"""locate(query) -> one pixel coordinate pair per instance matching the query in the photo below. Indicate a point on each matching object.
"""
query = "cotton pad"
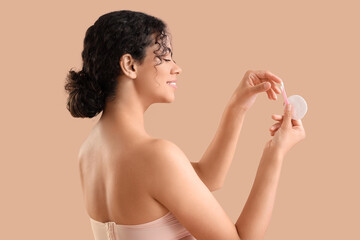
(298, 103)
(299, 106)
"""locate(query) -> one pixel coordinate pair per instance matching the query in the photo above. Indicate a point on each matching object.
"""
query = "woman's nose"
(177, 69)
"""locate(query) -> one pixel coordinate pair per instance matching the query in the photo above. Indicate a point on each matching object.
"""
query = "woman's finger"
(272, 133)
(275, 88)
(254, 79)
(267, 92)
(277, 117)
(275, 126)
(268, 75)
(272, 94)
(260, 76)
(296, 122)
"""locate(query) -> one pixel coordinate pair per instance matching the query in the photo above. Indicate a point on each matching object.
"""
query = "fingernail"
(288, 107)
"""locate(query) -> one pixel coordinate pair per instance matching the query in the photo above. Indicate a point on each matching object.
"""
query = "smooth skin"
(129, 177)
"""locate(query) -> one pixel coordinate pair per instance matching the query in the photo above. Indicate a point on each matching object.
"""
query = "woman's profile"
(139, 187)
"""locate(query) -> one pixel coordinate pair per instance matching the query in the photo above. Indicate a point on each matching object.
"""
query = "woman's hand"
(255, 82)
(287, 132)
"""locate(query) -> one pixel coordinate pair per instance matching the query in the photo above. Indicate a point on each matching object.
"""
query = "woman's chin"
(169, 100)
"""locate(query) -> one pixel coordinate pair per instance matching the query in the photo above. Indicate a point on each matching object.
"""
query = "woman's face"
(153, 81)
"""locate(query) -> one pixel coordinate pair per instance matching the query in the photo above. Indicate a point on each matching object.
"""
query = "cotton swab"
(284, 93)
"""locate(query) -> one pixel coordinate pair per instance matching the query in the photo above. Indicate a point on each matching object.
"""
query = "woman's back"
(112, 178)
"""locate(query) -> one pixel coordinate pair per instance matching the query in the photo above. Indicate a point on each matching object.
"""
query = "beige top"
(166, 227)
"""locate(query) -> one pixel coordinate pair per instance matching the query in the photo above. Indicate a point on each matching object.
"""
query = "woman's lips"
(172, 84)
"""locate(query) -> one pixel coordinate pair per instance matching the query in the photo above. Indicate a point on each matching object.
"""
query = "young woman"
(139, 187)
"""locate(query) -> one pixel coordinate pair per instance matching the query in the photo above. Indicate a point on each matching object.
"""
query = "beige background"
(312, 45)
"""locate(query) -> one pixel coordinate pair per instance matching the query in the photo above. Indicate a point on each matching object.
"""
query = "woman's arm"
(255, 217)
(215, 162)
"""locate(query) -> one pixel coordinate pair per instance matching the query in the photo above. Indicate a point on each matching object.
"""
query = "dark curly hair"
(112, 35)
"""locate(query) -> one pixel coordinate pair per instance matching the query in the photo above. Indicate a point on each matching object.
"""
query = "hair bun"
(86, 99)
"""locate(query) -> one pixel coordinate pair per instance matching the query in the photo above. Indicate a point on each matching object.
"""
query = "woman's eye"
(168, 60)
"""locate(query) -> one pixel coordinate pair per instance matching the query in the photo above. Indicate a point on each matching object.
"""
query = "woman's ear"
(128, 66)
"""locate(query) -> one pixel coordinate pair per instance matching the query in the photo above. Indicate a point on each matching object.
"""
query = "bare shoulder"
(159, 150)
(158, 144)
(165, 163)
